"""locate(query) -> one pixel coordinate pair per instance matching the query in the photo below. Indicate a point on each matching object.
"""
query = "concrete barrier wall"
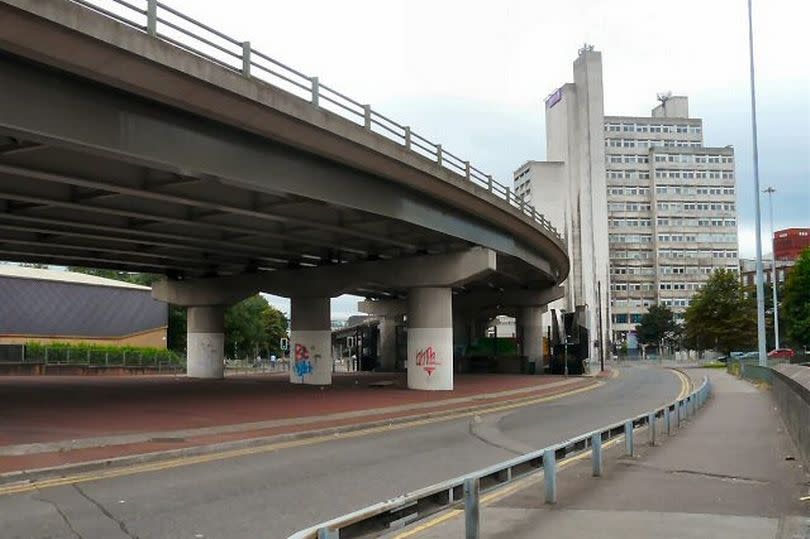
(791, 389)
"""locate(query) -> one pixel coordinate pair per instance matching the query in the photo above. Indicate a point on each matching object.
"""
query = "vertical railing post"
(489, 182)
(408, 137)
(668, 420)
(439, 154)
(367, 116)
(596, 454)
(508, 194)
(628, 438)
(246, 59)
(151, 17)
(467, 169)
(550, 475)
(651, 419)
(471, 514)
(316, 90)
(328, 533)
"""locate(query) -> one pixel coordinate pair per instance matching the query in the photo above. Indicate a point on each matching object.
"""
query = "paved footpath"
(50, 422)
(732, 471)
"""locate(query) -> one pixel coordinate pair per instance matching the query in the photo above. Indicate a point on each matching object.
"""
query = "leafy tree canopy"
(658, 323)
(796, 301)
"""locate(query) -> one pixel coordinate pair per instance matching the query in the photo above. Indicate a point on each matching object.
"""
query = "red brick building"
(788, 243)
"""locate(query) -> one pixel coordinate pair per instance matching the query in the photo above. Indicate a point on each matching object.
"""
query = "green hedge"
(99, 354)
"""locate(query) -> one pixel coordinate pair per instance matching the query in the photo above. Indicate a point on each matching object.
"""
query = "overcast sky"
(472, 74)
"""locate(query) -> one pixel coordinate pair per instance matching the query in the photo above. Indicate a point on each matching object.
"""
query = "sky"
(472, 74)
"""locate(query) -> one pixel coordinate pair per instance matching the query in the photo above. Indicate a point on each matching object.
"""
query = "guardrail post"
(652, 420)
(550, 475)
(408, 137)
(668, 420)
(328, 533)
(489, 182)
(151, 17)
(471, 516)
(246, 59)
(316, 90)
(508, 194)
(467, 169)
(439, 154)
(367, 116)
(628, 438)
(596, 454)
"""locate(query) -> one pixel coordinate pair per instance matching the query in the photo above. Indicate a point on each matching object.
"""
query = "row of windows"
(641, 222)
(695, 174)
(692, 158)
(633, 254)
(690, 190)
(631, 303)
(628, 159)
(627, 175)
(697, 253)
(680, 286)
(678, 302)
(629, 238)
(696, 206)
(622, 318)
(652, 128)
(628, 206)
(632, 143)
(721, 238)
(686, 221)
(632, 270)
(631, 287)
(627, 190)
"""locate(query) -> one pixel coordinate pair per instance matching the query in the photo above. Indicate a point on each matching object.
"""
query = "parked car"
(782, 353)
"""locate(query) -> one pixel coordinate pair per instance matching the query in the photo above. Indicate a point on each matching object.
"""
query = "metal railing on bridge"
(166, 23)
(464, 492)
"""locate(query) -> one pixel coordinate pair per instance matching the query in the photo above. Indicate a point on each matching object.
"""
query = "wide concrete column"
(530, 328)
(310, 341)
(430, 338)
(205, 341)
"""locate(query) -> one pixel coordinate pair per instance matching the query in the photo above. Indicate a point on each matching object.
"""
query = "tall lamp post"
(774, 281)
(763, 357)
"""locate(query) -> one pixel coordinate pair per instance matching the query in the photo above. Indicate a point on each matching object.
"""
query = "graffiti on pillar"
(303, 363)
(426, 359)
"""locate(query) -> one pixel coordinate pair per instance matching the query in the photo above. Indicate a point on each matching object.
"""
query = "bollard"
(596, 454)
(471, 516)
(652, 420)
(550, 475)
(628, 438)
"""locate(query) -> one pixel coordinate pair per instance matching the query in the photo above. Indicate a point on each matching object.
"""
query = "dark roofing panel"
(34, 307)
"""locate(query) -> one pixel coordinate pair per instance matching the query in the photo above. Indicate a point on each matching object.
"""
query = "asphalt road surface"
(273, 494)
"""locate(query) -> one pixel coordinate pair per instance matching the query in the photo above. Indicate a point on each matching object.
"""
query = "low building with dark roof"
(45, 305)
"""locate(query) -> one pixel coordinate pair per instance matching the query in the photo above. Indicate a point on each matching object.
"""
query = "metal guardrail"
(391, 514)
(166, 23)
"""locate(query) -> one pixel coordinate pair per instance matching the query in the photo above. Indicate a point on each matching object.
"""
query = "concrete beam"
(445, 270)
(507, 298)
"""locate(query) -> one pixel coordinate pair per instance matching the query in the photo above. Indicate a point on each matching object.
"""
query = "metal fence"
(166, 23)
(465, 491)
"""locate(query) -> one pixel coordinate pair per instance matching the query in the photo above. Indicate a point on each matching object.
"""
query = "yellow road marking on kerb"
(686, 384)
(17, 488)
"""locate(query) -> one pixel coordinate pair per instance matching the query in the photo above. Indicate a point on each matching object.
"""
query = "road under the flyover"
(272, 494)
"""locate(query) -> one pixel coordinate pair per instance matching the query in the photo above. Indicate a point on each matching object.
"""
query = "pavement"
(731, 471)
(53, 422)
(271, 490)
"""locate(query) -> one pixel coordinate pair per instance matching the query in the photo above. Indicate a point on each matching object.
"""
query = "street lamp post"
(774, 281)
(763, 358)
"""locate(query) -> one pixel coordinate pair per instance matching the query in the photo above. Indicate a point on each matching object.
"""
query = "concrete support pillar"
(205, 342)
(430, 339)
(388, 344)
(530, 322)
(310, 341)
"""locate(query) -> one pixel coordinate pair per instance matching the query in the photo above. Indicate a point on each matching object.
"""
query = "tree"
(796, 301)
(720, 316)
(253, 324)
(657, 324)
(276, 326)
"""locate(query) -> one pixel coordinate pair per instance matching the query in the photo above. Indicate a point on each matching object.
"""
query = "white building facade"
(671, 209)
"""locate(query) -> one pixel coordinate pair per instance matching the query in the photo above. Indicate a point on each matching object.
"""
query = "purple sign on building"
(554, 98)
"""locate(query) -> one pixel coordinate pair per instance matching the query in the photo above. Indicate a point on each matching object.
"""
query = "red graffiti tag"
(427, 360)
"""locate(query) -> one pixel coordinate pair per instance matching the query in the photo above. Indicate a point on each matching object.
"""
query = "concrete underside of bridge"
(111, 158)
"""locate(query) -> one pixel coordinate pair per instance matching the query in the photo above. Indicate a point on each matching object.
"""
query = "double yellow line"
(686, 388)
(18, 488)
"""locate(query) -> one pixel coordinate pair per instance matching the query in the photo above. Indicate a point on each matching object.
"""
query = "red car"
(782, 353)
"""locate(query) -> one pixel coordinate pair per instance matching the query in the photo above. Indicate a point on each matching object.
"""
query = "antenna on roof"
(663, 97)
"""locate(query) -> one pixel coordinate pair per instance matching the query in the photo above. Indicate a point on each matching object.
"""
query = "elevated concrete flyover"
(123, 146)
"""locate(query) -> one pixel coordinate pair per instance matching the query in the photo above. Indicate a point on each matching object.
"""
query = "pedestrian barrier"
(465, 491)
